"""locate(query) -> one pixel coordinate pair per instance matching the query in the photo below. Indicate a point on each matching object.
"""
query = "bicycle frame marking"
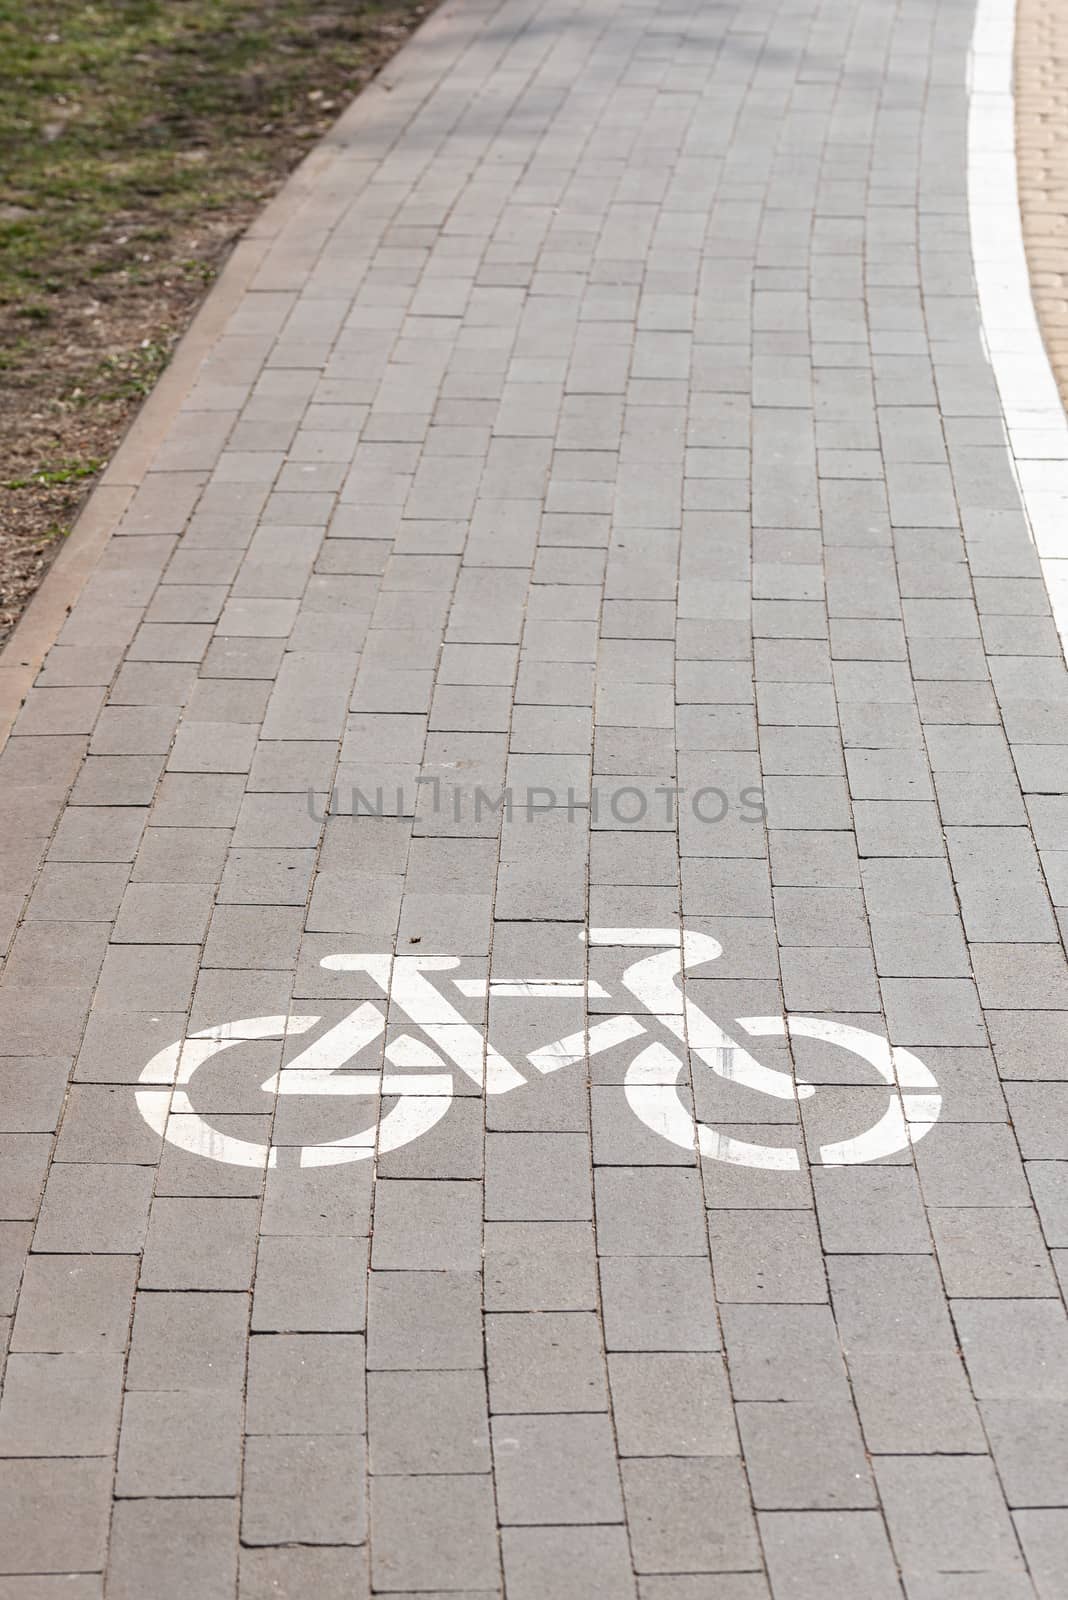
(423, 1098)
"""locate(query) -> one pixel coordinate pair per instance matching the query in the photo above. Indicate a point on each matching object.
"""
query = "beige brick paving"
(1042, 166)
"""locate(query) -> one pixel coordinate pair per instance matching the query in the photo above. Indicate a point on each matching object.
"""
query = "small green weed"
(55, 477)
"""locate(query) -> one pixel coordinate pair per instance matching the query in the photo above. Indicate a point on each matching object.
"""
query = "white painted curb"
(1034, 416)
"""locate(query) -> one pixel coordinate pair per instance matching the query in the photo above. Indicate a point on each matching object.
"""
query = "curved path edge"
(1035, 422)
(22, 657)
(39, 625)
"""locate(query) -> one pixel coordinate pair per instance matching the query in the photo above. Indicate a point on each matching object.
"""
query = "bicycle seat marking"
(419, 1068)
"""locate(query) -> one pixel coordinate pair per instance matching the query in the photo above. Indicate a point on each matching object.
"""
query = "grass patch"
(123, 118)
(139, 137)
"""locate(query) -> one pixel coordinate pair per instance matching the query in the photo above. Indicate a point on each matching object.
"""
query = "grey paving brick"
(452, 1148)
(1027, 1440)
(897, 828)
(919, 887)
(266, 877)
(180, 855)
(766, 1256)
(212, 747)
(888, 775)
(672, 1404)
(94, 1208)
(556, 1470)
(174, 913)
(305, 1384)
(649, 1212)
(157, 977)
(814, 859)
(102, 1123)
(999, 882)
(1042, 1534)
(175, 1546)
(43, 1020)
(61, 1405)
(75, 1303)
(567, 1562)
(972, 1165)
(182, 1173)
(947, 1515)
(285, 1572)
(128, 780)
(187, 1341)
(59, 711)
(870, 1210)
(1014, 1349)
(987, 1251)
(68, 1586)
(310, 1285)
(242, 658)
(539, 1266)
(551, 1362)
(456, 1535)
(689, 1515)
(55, 1515)
(308, 1490)
(921, 947)
(1028, 1044)
(65, 955)
(424, 1321)
(426, 1226)
(862, 1290)
(828, 979)
(1048, 1181)
(807, 1551)
(932, 1011)
(970, 1085)
(456, 922)
(231, 993)
(98, 833)
(72, 893)
(787, 1352)
(427, 1422)
(203, 1445)
(658, 1303)
(820, 917)
(802, 802)
(324, 1203)
(802, 1456)
(32, 1092)
(620, 1139)
(532, 1177)
(14, 1243)
(253, 937)
(1020, 975)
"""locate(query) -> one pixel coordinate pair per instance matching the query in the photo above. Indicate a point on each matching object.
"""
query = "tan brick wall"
(1042, 164)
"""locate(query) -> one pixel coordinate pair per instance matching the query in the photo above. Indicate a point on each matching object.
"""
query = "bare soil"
(138, 138)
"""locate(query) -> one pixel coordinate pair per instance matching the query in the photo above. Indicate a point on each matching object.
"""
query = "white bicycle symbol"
(424, 1096)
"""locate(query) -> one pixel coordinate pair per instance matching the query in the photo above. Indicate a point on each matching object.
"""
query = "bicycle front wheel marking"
(914, 1106)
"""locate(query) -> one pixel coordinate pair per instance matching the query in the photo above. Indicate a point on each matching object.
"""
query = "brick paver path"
(613, 418)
